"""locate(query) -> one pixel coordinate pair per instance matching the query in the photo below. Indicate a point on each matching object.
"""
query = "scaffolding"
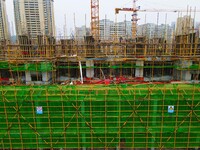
(99, 116)
(47, 47)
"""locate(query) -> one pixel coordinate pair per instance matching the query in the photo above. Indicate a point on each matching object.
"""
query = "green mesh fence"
(96, 116)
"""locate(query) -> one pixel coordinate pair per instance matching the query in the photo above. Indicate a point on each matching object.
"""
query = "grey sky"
(82, 7)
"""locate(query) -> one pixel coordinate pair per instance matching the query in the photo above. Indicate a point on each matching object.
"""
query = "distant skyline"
(81, 8)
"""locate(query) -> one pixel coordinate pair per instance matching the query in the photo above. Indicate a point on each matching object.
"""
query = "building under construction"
(95, 94)
(87, 93)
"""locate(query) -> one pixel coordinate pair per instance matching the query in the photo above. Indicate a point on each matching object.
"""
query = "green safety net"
(114, 66)
(195, 67)
(4, 65)
(39, 67)
(191, 67)
(98, 116)
(47, 66)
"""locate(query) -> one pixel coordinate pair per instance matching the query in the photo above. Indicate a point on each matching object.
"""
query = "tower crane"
(95, 19)
(135, 9)
(134, 16)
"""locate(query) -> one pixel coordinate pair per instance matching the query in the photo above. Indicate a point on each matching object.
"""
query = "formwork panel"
(100, 116)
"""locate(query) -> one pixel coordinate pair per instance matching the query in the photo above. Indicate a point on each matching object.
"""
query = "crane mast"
(134, 20)
(95, 19)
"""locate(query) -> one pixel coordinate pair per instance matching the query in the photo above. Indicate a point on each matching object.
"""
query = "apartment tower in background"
(4, 31)
(34, 17)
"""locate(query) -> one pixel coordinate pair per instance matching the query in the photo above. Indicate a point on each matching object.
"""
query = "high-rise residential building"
(151, 30)
(105, 27)
(34, 17)
(147, 30)
(4, 31)
(173, 25)
(109, 29)
(122, 29)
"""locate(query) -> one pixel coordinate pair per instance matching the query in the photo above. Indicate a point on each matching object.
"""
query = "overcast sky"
(81, 8)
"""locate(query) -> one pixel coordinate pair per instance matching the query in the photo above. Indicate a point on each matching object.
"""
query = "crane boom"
(95, 19)
(153, 10)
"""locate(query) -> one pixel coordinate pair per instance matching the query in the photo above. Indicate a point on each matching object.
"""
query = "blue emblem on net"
(171, 109)
(39, 110)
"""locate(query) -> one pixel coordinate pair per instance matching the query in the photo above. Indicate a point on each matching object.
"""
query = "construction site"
(137, 93)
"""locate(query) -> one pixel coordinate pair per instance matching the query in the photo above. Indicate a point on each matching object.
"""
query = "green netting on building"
(116, 66)
(4, 65)
(192, 67)
(195, 66)
(39, 67)
(97, 116)
(47, 66)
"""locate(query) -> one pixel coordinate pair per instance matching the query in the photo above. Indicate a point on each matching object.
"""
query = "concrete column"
(183, 74)
(46, 77)
(28, 77)
(186, 75)
(90, 71)
(176, 73)
(139, 72)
